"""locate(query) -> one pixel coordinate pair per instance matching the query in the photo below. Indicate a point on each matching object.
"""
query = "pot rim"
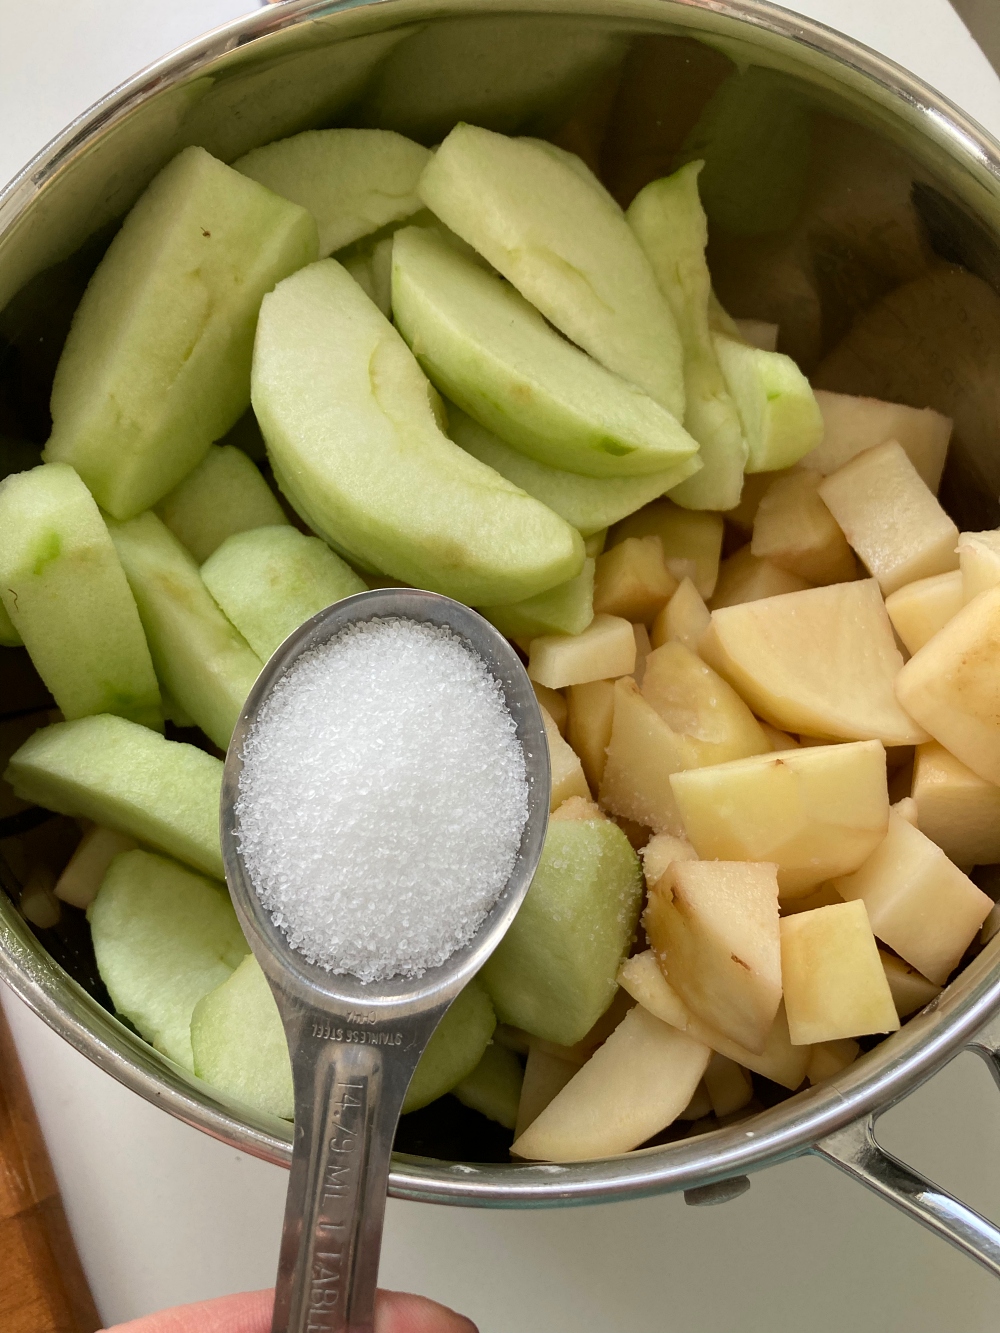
(865, 1089)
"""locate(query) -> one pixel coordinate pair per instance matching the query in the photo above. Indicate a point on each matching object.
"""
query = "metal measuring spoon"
(354, 1046)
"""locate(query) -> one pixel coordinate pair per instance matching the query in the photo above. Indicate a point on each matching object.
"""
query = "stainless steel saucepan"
(845, 185)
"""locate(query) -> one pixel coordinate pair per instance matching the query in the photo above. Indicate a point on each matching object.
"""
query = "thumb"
(249, 1312)
(399, 1312)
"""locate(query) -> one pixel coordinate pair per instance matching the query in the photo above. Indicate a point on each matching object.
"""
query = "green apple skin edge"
(157, 362)
(351, 428)
(669, 221)
(554, 232)
(780, 415)
(68, 599)
(491, 352)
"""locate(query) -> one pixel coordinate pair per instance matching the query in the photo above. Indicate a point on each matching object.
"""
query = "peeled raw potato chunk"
(815, 812)
(729, 1085)
(696, 703)
(606, 648)
(68, 598)
(829, 1058)
(203, 662)
(910, 990)
(684, 619)
(659, 854)
(952, 687)
(713, 926)
(353, 182)
(591, 710)
(488, 350)
(632, 579)
(692, 541)
(891, 518)
(821, 662)
(589, 504)
(545, 1076)
(84, 873)
(642, 752)
(781, 421)
(567, 772)
(157, 362)
(554, 704)
(853, 425)
(979, 562)
(351, 431)
(745, 577)
(224, 494)
(779, 1061)
(568, 608)
(832, 976)
(918, 610)
(269, 581)
(918, 902)
(543, 221)
(956, 808)
(633, 1086)
(795, 530)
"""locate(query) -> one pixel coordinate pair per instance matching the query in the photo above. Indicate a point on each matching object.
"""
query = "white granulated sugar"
(382, 799)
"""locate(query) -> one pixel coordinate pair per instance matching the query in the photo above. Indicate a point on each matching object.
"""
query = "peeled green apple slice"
(670, 223)
(781, 418)
(821, 662)
(352, 181)
(224, 494)
(9, 637)
(560, 239)
(239, 1045)
(164, 937)
(203, 663)
(589, 504)
(348, 419)
(269, 581)
(491, 352)
(554, 972)
(494, 1086)
(157, 362)
(455, 1048)
(566, 609)
(129, 779)
(66, 594)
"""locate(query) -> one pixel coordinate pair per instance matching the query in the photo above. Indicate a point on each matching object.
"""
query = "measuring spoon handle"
(350, 1081)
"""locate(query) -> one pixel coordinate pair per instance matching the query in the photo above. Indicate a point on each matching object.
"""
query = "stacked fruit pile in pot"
(763, 821)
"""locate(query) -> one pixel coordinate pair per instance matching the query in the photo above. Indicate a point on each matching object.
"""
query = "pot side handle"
(856, 1151)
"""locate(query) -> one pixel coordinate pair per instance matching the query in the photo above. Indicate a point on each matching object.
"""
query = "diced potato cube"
(545, 1076)
(689, 537)
(918, 903)
(632, 579)
(832, 976)
(85, 870)
(729, 1085)
(918, 610)
(907, 809)
(697, 703)
(891, 517)
(643, 648)
(853, 425)
(795, 530)
(554, 704)
(684, 619)
(633, 1086)
(979, 562)
(566, 769)
(816, 813)
(641, 755)
(660, 853)
(819, 663)
(758, 333)
(716, 938)
(957, 809)
(755, 487)
(591, 711)
(951, 686)
(577, 808)
(605, 649)
(910, 990)
(745, 577)
(830, 1057)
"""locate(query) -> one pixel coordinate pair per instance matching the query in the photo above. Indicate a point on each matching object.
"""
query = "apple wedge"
(918, 610)
(832, 976)
(494, 1086)
(821, 662)
(816, 812)
(157, 362)
(545, 223)
(482, 344)
(455, 1048)
(713, 926)
(353, 182)
(956, 808)
(351, 431)
(781, 421)
(568, 608)
(224, 494)
(918, 902)
(589, 504)
(853, 425)
(633, 1086)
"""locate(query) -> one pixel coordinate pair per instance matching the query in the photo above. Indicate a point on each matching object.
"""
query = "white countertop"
(163, 1214)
